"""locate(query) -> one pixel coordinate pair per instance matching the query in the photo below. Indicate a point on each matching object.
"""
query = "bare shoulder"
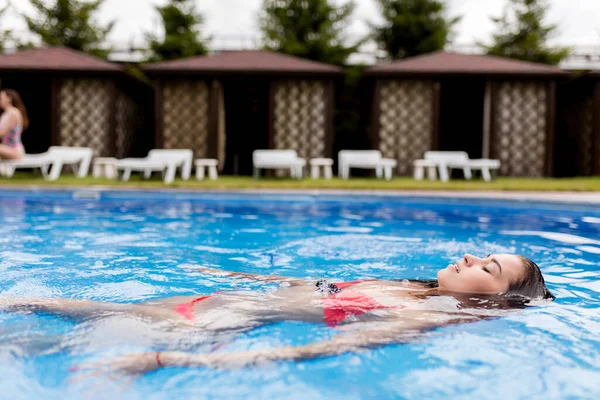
(17, 114)
(12, 115)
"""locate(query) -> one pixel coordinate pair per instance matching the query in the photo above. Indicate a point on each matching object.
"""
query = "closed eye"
(486, 270)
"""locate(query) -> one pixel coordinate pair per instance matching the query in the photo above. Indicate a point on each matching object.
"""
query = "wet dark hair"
(532, 285)
(471, 300)
(16, 101)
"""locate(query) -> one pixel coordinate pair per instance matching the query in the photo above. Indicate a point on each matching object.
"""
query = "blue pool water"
(130, 247)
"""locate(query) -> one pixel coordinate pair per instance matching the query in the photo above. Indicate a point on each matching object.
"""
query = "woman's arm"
(340, 344)
(141, 363)
(72, 308)
(253, 277)
(387, 333)
(7, 123)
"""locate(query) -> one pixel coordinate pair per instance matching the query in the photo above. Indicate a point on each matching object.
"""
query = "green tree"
(182, 37)
(413, 27)
(70, 23)
(523, 34)
(307, 28)
(5, 35)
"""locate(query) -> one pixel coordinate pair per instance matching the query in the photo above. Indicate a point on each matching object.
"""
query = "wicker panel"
(299, 117)
(128, 121)
(520, 128)
(405, 120)
(85, 114)
(185, 116)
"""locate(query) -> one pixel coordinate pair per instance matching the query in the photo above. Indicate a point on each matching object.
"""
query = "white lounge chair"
(278, 159)
(52, 162)
(448, 160)
(365, 159)
(164, 161)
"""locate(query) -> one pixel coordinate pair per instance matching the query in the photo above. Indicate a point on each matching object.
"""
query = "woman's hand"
(212, 271)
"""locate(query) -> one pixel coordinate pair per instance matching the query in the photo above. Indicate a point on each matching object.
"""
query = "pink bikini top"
(339, 306)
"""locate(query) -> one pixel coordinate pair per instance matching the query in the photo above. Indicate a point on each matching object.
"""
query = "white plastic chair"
(365, 159)
(161, 160)
(278, 159)
(52, 162)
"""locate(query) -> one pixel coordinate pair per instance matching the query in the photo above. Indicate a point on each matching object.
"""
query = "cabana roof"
(442, 63)
(55, 59)
(243, 62)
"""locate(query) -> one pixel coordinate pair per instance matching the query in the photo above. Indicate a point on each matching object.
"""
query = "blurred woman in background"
(12, 123)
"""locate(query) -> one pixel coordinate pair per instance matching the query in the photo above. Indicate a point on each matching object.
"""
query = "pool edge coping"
(543, 196)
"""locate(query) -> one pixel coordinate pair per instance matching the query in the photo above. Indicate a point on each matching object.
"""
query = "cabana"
(74, 99)
(227, 105)
(490, 107)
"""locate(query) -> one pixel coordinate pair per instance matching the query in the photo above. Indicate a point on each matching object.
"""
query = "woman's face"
(4, 100)
(492, 274)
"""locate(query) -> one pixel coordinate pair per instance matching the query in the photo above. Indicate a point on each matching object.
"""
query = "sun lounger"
(52, 162)
(485, 165)
(278, 159)
(164, 161)
(365, 159)
(448, 160)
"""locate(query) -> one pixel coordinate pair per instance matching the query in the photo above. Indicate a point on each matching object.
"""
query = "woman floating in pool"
(368, 313)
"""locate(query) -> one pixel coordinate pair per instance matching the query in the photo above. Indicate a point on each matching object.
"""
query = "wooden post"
(493, 152)
(213, 121)
(112, 127)
(329, 116)
(159, 114)
(375, 133)
(272, 88)
(435, 115)
(487, 119)
(550, 128)
(596, 129)
(55, 112)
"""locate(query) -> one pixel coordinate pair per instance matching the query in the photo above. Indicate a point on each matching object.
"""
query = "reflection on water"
(131, 250)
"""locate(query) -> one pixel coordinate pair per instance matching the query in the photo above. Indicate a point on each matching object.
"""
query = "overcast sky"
(229, 21)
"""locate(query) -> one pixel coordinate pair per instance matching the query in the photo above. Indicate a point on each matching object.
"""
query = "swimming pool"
(129, 247)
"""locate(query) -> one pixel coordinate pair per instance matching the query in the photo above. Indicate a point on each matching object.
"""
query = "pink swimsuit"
(13, 138)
